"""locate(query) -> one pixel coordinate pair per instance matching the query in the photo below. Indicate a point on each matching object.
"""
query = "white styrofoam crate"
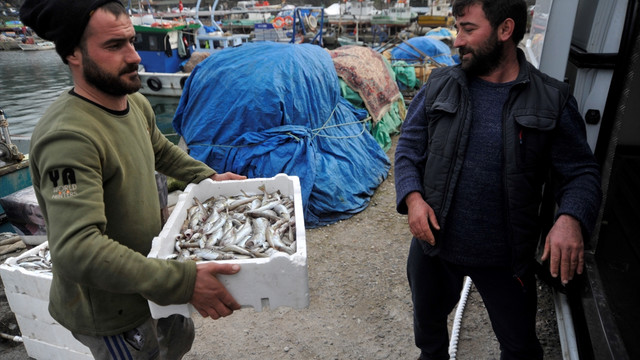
(42, 350)
(281, 280)
(49, 333)
(22, 281)
(28, 296)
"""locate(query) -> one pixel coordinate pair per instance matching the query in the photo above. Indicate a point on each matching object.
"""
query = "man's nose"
(132, 55)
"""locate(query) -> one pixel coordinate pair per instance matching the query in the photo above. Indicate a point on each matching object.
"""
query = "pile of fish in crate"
(256, 223)
(237, 227)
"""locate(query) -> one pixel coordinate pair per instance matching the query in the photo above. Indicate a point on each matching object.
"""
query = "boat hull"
(13, 177)
(37, 47)
(435, 21)
(162, 84)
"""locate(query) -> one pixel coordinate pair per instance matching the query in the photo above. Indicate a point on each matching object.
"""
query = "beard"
(484, 59)
(108, 83)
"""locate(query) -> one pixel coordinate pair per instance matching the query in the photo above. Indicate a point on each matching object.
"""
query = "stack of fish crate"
(28, 295)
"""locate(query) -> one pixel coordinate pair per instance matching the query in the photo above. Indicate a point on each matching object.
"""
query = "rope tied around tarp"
(314, 132)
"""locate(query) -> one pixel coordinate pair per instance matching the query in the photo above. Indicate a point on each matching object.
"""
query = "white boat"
(42, 45)
(360, 11)
(9, 43)
(162, 84)
(399, 14)
(247, 14)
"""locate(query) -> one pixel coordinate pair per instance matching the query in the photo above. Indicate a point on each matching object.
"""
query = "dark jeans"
(511, 303)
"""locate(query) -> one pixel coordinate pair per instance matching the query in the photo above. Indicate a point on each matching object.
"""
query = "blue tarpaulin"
(266, 108)
(440, 33)
(415, 48)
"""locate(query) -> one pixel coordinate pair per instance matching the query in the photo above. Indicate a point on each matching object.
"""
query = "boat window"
(153, 43)
(149, 42)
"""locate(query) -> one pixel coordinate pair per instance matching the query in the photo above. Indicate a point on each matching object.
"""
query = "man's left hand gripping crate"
(279, 280)
(28, 295)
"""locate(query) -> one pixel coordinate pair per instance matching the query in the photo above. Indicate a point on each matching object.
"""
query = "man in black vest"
(479, 141)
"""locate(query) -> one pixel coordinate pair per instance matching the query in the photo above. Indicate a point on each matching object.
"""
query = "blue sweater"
(478, 235)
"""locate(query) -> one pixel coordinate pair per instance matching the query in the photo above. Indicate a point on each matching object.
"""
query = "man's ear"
(505, 30)
(75, 58)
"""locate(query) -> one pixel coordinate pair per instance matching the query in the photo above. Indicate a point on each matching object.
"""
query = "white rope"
(457, 320)
(15, 338)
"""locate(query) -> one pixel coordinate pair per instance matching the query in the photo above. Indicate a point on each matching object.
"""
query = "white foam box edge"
(30, 307)
(28, 296)
(22, 281)
(50, 333)
(41, 350)
(261, 283)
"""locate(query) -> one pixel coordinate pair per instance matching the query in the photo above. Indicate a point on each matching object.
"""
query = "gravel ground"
(360, 304)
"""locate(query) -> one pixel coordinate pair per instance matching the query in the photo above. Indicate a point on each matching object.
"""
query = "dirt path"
(360, 303)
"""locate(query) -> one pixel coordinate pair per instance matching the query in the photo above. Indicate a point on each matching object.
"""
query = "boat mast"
(358, 22)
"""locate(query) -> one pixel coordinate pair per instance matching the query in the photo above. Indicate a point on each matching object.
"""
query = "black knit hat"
(60, 21)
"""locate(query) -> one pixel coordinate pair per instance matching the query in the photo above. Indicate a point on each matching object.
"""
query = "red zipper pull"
(520, 136)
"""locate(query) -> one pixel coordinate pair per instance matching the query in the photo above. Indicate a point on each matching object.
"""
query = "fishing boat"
(41, 45)
(439, 15)
(162, 45)
(247, 13)
(11, 35)
(14, 168)
(170, 49)
(166, 45)
(399, 14)
(9, 43)
(353, 10)
(295, 25)
(351, 15)
(351, 19)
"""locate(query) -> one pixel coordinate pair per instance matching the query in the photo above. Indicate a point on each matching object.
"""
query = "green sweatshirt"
(93, 172)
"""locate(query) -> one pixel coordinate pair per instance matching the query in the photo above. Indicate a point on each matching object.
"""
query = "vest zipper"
(453, 163)
(507, 214)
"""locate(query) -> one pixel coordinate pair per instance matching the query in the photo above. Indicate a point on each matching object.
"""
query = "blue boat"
(166, 45)
(14, 168)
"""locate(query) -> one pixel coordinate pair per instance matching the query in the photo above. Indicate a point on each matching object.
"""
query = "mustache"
(129, 68)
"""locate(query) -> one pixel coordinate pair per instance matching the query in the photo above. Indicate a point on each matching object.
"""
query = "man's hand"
(564, 247)
(227, 176)
(210, 297)
(421, 215)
